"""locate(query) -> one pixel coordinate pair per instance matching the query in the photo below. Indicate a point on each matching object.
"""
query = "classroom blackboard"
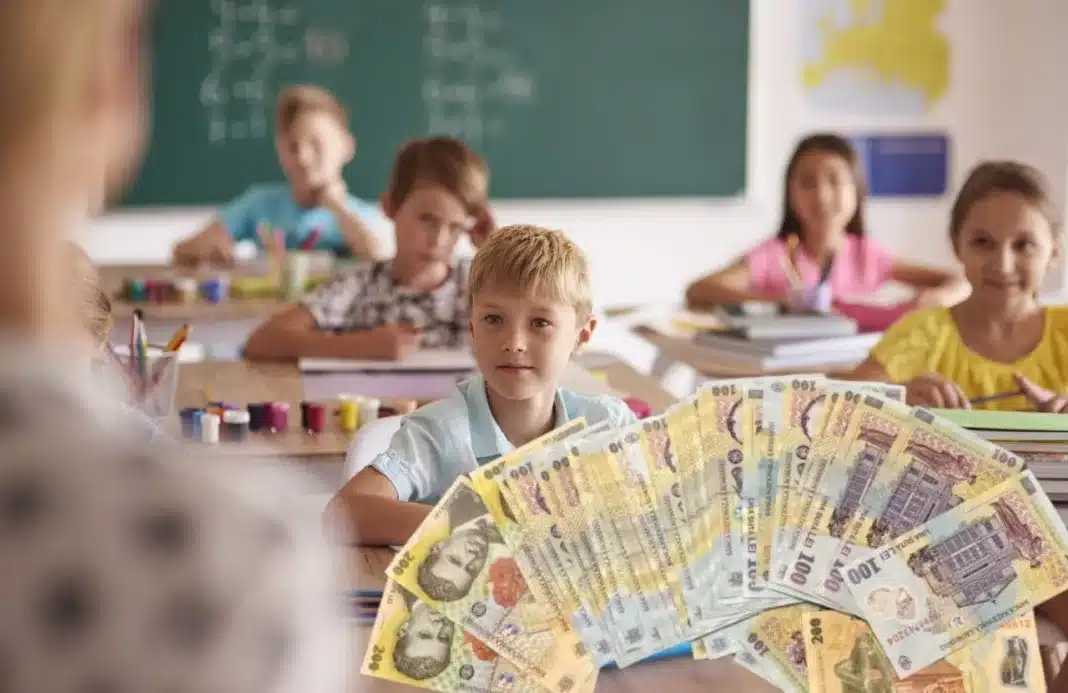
(565, 98)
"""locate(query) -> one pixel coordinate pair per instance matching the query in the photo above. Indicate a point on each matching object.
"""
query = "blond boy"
(314, 144)
(530, 310)
(386, 309)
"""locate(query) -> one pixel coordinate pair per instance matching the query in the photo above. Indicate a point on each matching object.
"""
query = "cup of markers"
(152, 373)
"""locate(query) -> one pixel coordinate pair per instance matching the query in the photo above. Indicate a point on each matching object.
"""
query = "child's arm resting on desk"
(236, 221)
(933, 287)
(214, 244)
(320, 326)
(375, 506)
(293, 333)
(732, 284)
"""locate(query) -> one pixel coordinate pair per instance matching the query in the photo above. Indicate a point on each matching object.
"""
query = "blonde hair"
(94, 306)
(536, 260)
(299, 99)
(442, 161)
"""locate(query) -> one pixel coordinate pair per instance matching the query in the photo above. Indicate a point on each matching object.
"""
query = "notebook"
(423, 360)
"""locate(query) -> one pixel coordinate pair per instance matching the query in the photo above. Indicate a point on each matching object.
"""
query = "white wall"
(1007, 99)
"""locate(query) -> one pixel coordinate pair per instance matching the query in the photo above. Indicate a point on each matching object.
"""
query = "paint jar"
(190, 419)
(186, 289)
(278, 416)
(258, 415)
(349, 412)
(369, 407)
(313, 417)
(209, 428)
(235, 425)
(216, 289)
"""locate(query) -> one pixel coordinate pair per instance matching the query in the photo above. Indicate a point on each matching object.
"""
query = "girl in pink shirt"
(821, 252)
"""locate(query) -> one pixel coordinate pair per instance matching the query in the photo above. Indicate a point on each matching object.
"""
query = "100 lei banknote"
(961, 576)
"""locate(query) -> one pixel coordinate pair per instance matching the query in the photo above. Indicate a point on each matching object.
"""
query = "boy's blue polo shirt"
(456, 435)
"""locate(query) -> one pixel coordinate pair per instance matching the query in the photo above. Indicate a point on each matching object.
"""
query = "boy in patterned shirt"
(530, 311)
(385, 310)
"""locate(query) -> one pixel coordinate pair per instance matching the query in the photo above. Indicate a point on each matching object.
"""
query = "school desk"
(323, 454)
(222, 328)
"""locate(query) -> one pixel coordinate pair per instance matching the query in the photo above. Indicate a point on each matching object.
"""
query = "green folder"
(982, 420)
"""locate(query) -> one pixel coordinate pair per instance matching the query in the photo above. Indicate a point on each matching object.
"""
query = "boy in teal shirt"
(314, 146)
(530, 311)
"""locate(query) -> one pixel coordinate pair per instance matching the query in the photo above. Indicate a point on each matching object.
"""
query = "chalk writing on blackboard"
(469, 77)
(250, 40)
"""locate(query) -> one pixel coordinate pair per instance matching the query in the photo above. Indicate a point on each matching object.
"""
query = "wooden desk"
(242, 382)
(678, 675)
(222, 328)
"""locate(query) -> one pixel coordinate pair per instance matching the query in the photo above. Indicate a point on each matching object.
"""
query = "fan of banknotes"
(825, 534)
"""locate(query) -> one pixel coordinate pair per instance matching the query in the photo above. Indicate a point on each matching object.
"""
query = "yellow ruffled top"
(927, 341)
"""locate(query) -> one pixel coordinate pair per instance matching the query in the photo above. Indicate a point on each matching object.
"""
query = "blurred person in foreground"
(126, 567)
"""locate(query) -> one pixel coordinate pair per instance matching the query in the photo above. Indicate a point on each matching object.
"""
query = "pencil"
(796, 280)
(312, 240)
(263, 230)
(995, 398)
(179, 337)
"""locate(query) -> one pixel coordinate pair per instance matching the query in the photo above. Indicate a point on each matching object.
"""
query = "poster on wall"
(874, 57)
(905, 165)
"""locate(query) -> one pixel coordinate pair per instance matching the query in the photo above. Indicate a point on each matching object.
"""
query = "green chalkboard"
(565, 98)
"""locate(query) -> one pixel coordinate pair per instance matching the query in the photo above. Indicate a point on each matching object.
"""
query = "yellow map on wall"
(874, 56)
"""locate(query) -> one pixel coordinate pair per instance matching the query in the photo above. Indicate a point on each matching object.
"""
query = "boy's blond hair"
(443, 161)
(536, 260)
(296, 100)
(94, 306)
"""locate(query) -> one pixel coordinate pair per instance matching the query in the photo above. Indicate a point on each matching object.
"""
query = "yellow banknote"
(569, 493)
(623, 479)
(414, 645)
(817, 418)
(766, 422)
(795, 578)
(839, 482)
(777, 638)
(529, 522)
(652, 444)
(720, 411)
(803, 407)
(844, 657)
(683, 424)
(548, 593)
(960, 576)
(936, 466)
(646, 621)
(460, 566)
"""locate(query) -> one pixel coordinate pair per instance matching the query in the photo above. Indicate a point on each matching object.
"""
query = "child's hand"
(485, 224)
(1043, 399)
(334, 195)
(816, 298)
(934, 390)
(394, 342)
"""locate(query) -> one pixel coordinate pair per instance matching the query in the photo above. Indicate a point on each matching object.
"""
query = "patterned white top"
(364, 296)
(134, 567)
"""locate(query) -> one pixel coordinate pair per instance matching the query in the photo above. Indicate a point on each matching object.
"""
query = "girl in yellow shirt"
(998, 349)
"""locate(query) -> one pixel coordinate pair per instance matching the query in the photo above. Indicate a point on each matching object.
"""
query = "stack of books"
(780, 342)
(1040, 439)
